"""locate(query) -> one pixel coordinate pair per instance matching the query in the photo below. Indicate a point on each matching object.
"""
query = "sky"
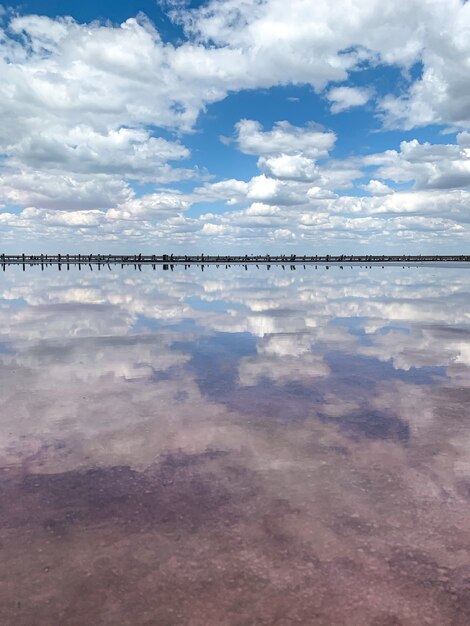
(241, 126)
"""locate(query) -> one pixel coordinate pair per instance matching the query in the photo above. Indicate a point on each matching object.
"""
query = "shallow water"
(235, 447)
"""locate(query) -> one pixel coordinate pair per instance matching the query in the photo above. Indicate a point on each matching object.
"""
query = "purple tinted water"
(235, 447)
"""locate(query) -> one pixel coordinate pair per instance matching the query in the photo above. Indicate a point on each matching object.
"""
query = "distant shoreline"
(173, 259)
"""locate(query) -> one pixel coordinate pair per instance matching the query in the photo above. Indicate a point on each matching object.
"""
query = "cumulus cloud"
(310, 42)
(284, 138)
(267, 208)
(156, 205)
(94, 109)
(290, 167)
(343, 98)
(130, 153)
(430, 166)
(377, 188)
(63, 191)
(80, 100)
(262, 188)
(322, 42)
(441, 94)
(463, 140)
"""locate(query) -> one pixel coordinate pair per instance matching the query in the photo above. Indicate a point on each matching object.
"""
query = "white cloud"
(260, 188)
(343, 98)
(431, 166)
(274, 209)
(377, 188)
(305, 42)
(284, 138)
(317, 193)
(156, 205)
(283, 233)
(126, 152)
(80, 100)
(86, 105)
(463, 140)
(231, 191)
(214, 229)
(63, 191)
(270, 190)
(73, 218)
(441, 94)
(289, 167)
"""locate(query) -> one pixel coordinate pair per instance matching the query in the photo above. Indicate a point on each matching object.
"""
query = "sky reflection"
(234, 446)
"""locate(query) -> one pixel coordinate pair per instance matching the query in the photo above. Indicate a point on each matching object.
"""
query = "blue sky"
(241, 125)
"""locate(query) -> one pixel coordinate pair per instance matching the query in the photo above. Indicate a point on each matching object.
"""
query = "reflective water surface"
(236, 447)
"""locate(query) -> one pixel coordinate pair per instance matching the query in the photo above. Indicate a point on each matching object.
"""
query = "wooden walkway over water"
(170, 260)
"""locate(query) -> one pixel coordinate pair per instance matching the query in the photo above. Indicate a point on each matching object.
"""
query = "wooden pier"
(167, 260)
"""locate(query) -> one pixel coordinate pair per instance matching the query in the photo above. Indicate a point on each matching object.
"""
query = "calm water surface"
(235, 447)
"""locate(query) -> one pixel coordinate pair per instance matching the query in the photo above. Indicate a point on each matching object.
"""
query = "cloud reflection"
(320, 414)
